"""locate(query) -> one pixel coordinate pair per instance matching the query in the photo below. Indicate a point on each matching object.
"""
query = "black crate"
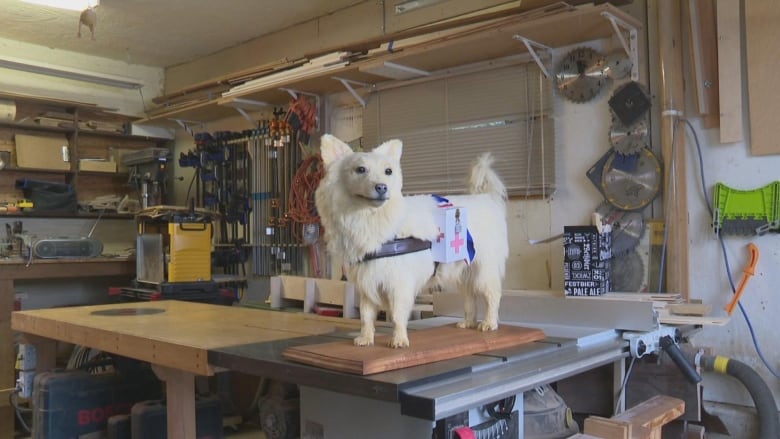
(586, 261)
(119, 427)
(148, 419)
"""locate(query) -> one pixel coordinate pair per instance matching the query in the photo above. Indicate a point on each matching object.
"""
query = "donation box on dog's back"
(452, 240)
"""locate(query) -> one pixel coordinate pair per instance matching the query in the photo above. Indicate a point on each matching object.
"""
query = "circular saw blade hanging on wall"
(617, 65)
(628, 272)
(627, 227)
(629, 139)
(580, 75)
(631, 182)
(629, 102)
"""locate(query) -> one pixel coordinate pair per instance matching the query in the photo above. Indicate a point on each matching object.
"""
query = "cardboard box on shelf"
(42, 152)
(97, 166)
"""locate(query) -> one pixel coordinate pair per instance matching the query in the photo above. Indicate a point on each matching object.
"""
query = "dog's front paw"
(399, 342)
(466, 324)
(362, 340)
(487, 326)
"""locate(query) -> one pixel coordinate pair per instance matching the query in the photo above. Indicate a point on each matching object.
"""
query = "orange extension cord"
(300, 206)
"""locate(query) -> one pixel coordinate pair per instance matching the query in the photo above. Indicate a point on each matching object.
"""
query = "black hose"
(769, 422)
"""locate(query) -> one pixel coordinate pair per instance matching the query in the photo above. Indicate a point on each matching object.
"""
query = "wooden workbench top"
(100, 259)
(170, 333)
(18, 268)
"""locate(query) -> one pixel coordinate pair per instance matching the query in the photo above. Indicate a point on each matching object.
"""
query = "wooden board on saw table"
(426, 346)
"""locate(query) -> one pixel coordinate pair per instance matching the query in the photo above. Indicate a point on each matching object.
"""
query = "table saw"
(400, 403)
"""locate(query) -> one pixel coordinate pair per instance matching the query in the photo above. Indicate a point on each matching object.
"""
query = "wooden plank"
(427, 345)
(690, 309)
(761, 36)
(653, 413)
(643, 421)
(293, 287)
(608, 428)
(669, 319)
(329, 291)
(65, 268)
(705, 59)
(730, 73)
(672, 99)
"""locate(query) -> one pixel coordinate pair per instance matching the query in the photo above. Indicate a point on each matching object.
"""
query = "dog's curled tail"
(484, 180)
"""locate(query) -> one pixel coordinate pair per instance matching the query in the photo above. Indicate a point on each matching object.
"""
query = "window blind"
(445, 123)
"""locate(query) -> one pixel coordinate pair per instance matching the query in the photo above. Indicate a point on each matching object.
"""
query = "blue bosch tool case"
(71, 403)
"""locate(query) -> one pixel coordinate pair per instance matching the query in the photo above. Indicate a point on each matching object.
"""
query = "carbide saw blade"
(631, 182)
(617, 65)
(627, 227)
(580, 75)
(628, 271)
(629, 139)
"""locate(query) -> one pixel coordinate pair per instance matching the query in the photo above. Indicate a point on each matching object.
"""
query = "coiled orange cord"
(300, 207)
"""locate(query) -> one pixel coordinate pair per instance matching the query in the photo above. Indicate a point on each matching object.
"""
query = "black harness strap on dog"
(398, 247)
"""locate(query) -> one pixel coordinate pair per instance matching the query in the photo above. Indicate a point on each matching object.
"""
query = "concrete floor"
(245, 431)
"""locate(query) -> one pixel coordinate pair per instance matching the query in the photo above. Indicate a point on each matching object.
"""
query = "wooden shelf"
(37, 171)
(84, 142)
(29, 126)
(556, 26)
(105, 215)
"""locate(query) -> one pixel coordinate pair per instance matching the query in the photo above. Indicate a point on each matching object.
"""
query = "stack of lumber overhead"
(435, 50)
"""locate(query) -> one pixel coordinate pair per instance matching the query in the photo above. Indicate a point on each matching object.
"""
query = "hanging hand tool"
(749, 271)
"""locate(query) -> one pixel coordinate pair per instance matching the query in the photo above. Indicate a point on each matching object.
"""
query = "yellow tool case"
(174, 245)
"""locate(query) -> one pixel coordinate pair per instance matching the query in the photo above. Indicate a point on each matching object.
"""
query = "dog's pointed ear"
(393, 148)
(332, 149)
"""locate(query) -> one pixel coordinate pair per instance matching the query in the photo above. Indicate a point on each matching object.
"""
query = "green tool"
(746, 212)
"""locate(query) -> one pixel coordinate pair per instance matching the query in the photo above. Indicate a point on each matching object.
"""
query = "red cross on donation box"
(450, 244)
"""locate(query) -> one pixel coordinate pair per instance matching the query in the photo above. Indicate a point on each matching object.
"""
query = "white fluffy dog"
(361, 207)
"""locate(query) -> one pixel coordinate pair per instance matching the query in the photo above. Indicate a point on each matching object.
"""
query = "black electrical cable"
(192, 181)
(501, 409)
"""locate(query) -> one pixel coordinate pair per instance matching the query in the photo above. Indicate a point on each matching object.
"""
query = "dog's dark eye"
(388, 171)
(360, 169)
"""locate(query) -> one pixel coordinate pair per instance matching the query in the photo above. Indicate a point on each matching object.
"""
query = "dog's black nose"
(380, 188)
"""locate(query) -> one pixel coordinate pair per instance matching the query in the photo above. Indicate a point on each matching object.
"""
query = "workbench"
(184, 339)
(13, 269)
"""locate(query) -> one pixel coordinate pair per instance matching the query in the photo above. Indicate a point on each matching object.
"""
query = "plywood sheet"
(729, 71)
(427, 345)
(763, 62)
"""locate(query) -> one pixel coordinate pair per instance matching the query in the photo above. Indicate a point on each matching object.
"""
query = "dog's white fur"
(359, 215)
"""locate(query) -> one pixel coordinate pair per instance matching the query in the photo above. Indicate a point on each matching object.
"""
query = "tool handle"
(670, 347)
(749, 271)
